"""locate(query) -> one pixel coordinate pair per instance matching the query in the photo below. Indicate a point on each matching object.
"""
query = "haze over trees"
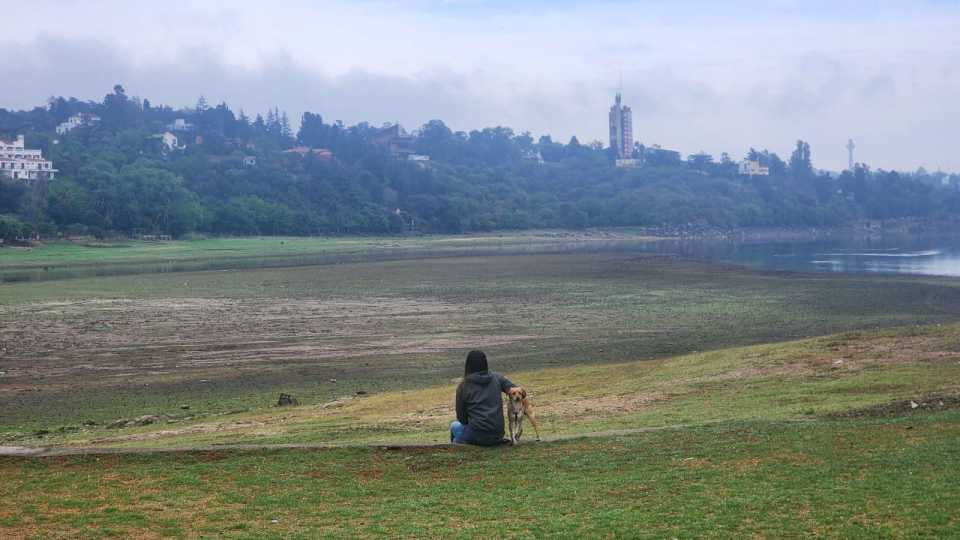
(117, 176)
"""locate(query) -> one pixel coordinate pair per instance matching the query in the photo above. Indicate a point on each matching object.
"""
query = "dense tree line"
(116, 176)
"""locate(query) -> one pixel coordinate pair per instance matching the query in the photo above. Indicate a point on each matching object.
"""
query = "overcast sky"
(699, 75)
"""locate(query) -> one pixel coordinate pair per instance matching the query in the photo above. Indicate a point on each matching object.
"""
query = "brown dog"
(519, 406)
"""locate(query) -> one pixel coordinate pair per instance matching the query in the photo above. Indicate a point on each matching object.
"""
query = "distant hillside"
(126, 166)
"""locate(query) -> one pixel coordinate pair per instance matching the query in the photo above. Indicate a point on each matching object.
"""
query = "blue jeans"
(460, 433)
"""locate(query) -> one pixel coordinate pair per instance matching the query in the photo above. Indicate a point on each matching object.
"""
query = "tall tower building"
(850, 147)
(621, 129)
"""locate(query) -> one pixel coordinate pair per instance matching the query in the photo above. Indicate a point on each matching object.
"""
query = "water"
(901, 255)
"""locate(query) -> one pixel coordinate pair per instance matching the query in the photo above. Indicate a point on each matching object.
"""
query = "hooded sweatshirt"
(479, 405)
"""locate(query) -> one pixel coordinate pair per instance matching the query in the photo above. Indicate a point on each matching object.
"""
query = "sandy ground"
(50, 344)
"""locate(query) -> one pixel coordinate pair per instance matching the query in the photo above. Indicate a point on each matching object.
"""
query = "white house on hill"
(18, 163)
(169, 140)
(750, 167)
(180, 124)
(76, 121)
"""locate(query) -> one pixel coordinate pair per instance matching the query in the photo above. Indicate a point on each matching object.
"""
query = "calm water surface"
(901, 255)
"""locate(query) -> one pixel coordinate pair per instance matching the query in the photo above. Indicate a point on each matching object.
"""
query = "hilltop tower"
(850, 147)
(621, 129)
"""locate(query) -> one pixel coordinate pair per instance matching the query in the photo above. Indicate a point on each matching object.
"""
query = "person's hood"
(480, 377)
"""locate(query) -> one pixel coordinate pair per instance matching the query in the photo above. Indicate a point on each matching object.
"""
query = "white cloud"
(699, 75)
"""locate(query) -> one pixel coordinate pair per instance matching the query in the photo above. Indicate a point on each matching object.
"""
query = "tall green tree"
(801, 166)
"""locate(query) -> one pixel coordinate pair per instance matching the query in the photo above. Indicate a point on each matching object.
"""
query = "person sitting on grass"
(479, 406)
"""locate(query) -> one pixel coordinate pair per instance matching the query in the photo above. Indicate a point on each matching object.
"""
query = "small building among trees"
(393, 138)
(751, 167)
(19, 163)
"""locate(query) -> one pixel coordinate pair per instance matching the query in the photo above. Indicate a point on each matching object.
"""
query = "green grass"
(774, 382)
(857, 479)
(268, 331)
(92, 252)
(727, 399)
(62, 259)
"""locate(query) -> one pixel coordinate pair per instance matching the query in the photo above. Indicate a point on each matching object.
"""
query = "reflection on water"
(885, 253)
(901, 255)
(938, 256)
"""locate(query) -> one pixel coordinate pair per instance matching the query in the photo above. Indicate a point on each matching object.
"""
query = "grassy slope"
(570, 309)
(794, 380)
(742, 470)
(752, 474)
(859, 479)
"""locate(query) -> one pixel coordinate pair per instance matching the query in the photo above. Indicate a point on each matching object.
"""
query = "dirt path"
(55, 451)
